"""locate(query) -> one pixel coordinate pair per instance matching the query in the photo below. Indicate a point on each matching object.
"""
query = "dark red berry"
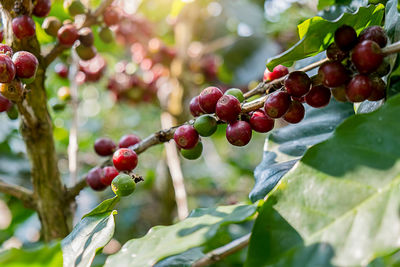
(333, 74)
(277, 104)
(278, 72)
(62, 70)
(297, 83)
(345, 37)
(128, 140)
(339, 93)
(295, 113)
(359, 88)
(109, 173)
(299, 99)
(7, 69)
(208, 99)
(367, 56)
(378, 89)
(319, 96)
(5, 49)
(104, 146)
(195, 108)
(1, 35)
(228, 108)
(94, 179)
(186, 137)
(334, 53)
(125, 159)
(23, 27)
(260, 122)
(86, 36)
(374, 33)
(111, 16)
(42, 8)
(5, 104)
(26, 64)
(238, 133)
(67, 35)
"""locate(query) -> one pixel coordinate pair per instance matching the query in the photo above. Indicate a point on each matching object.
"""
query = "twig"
(22, 193)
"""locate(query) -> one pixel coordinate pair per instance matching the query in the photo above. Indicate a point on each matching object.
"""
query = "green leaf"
(339, 3)
(105, 206)
(340, 206)
(163, 241)
(317, 33)
(185, 259)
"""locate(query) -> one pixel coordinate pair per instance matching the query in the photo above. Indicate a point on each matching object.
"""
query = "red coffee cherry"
(208, 99)
(238, 133)
(186, 137)
(359, 88)
(297, 83)
(62, 70)
(111, 16)
(367, 57)
(109, 173)
(295, 113)
(23, 27)
(378, 89)
(104, 146)
(228, 108)
(260, 122)
(333, 74)
(345, 38)
(93, 179)
(277, 104)
(129, 140)
(195, 108)
(5, 104)
(42, 8)
(67, 35)
(125, 159)
(278, 72)
(6, 50)
(335, 54)
(1, 35)
(7, 69)
(374, 33)
(319, 96)
(26, 64)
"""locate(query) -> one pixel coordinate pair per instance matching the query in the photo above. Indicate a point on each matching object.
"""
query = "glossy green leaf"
(163, 241)
(185, 259)
(341, 205)
(105, 206)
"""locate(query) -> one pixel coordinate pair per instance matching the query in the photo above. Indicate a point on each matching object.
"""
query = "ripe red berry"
(208, 99)
(278, 72)
(277, 104)
(333, 74)
(94, 179)
(128, 140)
(186, 137)
(23, 27)
(295, 113)
(367, 56)
(104, 146)
(7, 69)
(67, 35)
(195, 108)
(266, 75)
(42, 8)
(334, 53)
(238, 133)
(345, 37)
(109, 173)
(26, 64)
(1, 35)
(374, 33)
(228, 108)
(5, 104)
(260, 122)
(359, 88)
(62, 70)
(111, 16)
(378, 89)
(297, 83)
(125, 159)
(6, 50)
(319, 96)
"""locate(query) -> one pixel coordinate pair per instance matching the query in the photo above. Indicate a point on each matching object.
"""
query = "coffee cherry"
(6, 50)
(86, 36)
(278, 72)
(186, 137)
(228, 108)
(205, 125)
(193, 153)
(297, 83)
(74, 7)
(104, 146)
(62, 70)
(383, 69)
(51, 25)
(23, 27)
(236, 93)
(5, 104)
(109, 173)
(1, 34)
(319, 96)
(12, 113)
(378, 89)
(333, 74)
(195, 108)
(13, 90)
(260, 122)
(26, 64)
(106, 35)
(111, 16)
(339, 93)
(238, 133)
(85, 52)
(67, 35)
(125, 159)
(359, 88)
(123, 185)
(42, 8)
(208, 99)
(57, 105)
(295, 113)
(7, 69)
(367, 57)
(335, 54)
(93, 179)
(64, 93)
(374, 33)
(277, 104)
(128, 140)
(299, 99)
(345, 38)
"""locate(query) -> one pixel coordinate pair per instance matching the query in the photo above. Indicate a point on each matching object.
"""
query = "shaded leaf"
(392, 28)
(185, 259)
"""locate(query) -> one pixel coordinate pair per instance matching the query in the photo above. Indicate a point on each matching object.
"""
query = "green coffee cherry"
(12, 113)
(205, 125)
(85, 52)
(193, 153)
(58, 106)
(123, 185)
(236, 93)
(106, 35)
(74, 7)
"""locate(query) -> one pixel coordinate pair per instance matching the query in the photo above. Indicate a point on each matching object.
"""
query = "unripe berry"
(236, 93)
(228, 108)
(109, 173)
(297, 83)
(367, 57)
(5, 104)
(62, 70)
(6, 50)
(205, 125)
(111, 16)
(295, 113)
(333, 74)
(359, 88)
(123, 185)
(23, 27)
(278, 72)
(277, 104)
(74, 7)
(26, 64)
(339, 93)
(194, 106)
(67, 35)
(104, 146)
(86, 36)
(378, 89)
(125, 159)
(42, 8)
(319, 96)
(374, 33)
(383, 69)
(186, 137)
(193, 153)
(93, 179)
(260, 122)
(7, 69)
(345, 37)
(208, 99)
(64, 93)
(128, 140)
(85, 52)
(106, 35)
(335, 54)
(238, 133)
(51, 25)
(13, 90)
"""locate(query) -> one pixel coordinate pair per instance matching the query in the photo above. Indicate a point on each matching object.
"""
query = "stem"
(391, 49)
(23, 194)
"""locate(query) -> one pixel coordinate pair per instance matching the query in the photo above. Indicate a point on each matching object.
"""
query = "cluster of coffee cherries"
(124, 160)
